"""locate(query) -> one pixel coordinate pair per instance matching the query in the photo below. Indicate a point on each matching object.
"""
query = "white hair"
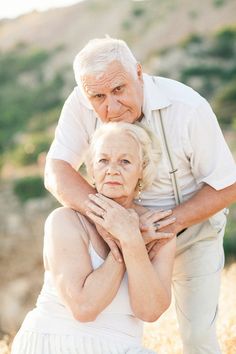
(98, 53)
(149, 147)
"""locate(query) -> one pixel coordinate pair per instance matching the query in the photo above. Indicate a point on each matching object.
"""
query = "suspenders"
(173, 169)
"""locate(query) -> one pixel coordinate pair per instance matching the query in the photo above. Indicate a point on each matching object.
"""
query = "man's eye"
(98, 96)
(102, 160)
(118, 88)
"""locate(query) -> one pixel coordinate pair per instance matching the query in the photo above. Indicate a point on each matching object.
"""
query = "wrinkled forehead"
(114, 75)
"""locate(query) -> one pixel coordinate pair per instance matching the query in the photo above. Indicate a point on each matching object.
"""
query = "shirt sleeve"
(210, 158)
(71, 138)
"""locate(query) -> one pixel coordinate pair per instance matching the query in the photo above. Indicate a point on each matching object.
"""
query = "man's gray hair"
(149, 148)
(98, 53)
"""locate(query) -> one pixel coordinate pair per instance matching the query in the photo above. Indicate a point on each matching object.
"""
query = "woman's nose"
(112, 169)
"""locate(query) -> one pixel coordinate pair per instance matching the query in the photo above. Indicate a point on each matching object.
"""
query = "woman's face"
(117, 166)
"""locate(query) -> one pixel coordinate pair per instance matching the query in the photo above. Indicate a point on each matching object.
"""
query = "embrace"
(151, 213)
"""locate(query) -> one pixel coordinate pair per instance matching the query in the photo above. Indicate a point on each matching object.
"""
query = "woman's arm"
(149, 282)
(86, 292)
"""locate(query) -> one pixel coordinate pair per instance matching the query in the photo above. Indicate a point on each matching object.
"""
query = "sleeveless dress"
(50, 327)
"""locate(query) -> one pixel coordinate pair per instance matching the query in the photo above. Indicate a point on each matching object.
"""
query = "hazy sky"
(14, 8)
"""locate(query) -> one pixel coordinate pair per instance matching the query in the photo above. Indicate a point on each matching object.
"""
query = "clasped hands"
(116, 224)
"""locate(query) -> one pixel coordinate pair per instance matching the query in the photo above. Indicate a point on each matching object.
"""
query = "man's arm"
(72, 190)
(205, 203)
(67, 185)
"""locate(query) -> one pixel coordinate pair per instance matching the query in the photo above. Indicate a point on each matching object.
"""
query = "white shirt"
(199, 148)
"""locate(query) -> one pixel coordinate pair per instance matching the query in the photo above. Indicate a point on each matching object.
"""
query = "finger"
(163, 235)
(95, 218)
(162, 223)
(143, 227)
(95, 209)
(159, 215)
(148, 214)
(108, 201)
(115, 250)
(150, 245)
(96, 198)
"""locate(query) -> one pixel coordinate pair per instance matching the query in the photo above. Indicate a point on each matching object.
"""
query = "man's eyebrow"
(92, 93)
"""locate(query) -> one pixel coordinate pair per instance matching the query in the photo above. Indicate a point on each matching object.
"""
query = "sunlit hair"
(98, 53)
(149, 147)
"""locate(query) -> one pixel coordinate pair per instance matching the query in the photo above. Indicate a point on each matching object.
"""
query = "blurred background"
(187, 40)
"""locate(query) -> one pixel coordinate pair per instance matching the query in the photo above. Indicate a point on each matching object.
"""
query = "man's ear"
(140, 71)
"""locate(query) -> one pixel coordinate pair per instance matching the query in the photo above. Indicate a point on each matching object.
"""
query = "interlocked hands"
(116, 224)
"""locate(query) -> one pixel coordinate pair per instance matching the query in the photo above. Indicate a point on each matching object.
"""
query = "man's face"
(115, 95)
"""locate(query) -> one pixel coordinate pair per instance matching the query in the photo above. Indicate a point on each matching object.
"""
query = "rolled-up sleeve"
(71, 137)
(210, 158)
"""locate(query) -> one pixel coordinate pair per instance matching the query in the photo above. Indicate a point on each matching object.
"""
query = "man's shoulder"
(178, 92)
(78, 99)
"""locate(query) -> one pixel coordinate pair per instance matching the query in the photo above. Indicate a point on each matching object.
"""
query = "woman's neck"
(128, 203)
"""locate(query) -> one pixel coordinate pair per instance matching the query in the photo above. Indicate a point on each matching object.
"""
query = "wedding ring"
(157, 225)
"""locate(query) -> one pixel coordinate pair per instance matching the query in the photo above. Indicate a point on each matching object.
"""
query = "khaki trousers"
(196, 285)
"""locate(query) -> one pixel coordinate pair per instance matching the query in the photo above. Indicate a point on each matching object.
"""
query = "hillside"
(146, 25)
(181, 39)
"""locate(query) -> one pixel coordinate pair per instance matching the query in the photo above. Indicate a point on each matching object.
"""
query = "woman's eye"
(126, 162)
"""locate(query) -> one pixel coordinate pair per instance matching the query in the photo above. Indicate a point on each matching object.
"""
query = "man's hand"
(154, 228)
(152, 224)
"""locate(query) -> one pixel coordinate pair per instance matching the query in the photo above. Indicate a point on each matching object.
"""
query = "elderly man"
(196, 176)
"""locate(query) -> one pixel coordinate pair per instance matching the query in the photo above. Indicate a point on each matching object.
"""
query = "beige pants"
(196, 284)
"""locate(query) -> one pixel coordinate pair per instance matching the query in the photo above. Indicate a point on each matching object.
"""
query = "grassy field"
(163, 336)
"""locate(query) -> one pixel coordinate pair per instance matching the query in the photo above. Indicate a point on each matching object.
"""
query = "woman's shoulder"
(64, 220)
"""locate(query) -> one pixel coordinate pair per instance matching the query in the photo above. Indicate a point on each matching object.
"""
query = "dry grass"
(163, 336)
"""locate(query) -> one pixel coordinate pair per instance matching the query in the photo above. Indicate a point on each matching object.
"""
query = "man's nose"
(113, 105)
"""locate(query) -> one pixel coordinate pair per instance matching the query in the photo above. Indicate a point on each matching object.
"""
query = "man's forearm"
(205, 203)
(67, 185)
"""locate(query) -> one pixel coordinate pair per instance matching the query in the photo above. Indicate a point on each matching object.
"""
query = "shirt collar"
(154, 98)
(83, 98)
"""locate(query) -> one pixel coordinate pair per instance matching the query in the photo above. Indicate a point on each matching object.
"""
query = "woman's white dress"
(50, 327)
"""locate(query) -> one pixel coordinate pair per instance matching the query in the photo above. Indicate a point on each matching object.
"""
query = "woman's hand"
(113, 244)
(121, 223)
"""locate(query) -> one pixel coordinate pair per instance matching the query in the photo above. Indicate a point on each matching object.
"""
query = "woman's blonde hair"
(149, 147)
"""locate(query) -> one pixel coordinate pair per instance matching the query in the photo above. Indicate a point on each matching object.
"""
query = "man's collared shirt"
(199, 150)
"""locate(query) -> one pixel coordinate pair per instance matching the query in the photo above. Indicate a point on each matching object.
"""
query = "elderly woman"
(90, 303)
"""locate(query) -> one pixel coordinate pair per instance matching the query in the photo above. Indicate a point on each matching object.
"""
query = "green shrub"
(29, 187)
(138, 11)
(193, 38)
(224, 43)
(225, 103)
(28, 152)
